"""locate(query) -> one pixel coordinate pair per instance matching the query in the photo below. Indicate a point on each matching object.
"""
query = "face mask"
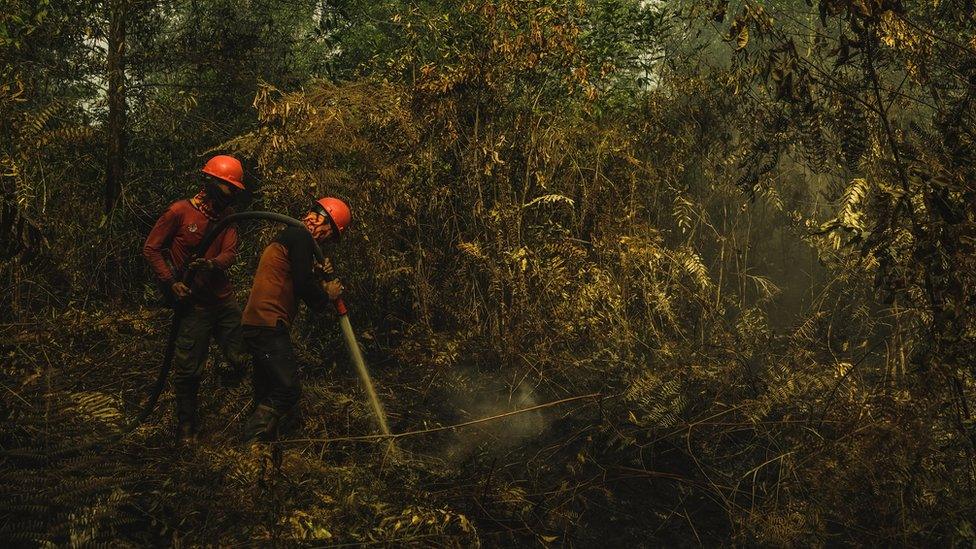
(219, 200)
(318, 225)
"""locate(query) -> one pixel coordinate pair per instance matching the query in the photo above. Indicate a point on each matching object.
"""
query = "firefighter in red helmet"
(287, 273)
(212, 310)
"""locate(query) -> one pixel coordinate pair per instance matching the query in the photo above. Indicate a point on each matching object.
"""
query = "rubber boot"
(259, 386)
(262, 425)
(187, 428)
(186, 435)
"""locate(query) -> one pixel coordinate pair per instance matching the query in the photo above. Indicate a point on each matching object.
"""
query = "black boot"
(186, 434)
(186, 417)
(262, 425)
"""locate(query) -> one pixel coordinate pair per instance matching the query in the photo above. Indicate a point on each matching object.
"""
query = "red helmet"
(338, 211)
(226, 168)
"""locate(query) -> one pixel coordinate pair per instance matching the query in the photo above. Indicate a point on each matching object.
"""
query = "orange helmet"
(337, 211)
(226, 168)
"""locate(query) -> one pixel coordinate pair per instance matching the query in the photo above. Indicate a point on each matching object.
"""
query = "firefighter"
(209, 299)
(286, 273)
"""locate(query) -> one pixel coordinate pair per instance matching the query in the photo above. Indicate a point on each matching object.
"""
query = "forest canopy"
(705, 268)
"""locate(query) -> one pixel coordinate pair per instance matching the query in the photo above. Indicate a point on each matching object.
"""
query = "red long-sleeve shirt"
(176, 233)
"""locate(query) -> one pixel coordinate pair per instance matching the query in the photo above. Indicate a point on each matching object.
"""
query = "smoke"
(485, 397)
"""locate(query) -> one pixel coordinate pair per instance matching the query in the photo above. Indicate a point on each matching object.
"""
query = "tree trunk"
(115, 160)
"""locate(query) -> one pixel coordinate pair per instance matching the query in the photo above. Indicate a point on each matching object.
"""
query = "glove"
(325, 269)
(333, 288)
(181, 290)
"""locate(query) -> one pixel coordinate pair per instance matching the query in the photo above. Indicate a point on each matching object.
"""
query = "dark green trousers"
(276, 379)
(221, 322)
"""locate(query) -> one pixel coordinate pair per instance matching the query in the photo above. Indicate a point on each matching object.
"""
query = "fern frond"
(853, 130)
(812, 140)
(772, 197)
(34, 121)
(851, 205)
(97, 406)
(764, 286)
(850, 215)
(68, 135)
(85, 488)
(691, 264)
(656, 404)
(684, 211)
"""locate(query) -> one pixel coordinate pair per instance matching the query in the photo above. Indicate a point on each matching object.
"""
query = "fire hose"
(180, 310)
(348, 335)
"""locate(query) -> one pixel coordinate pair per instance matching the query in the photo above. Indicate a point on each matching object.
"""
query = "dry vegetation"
(746, 228)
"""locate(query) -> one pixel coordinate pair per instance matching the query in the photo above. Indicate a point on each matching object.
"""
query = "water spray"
(357, 359)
